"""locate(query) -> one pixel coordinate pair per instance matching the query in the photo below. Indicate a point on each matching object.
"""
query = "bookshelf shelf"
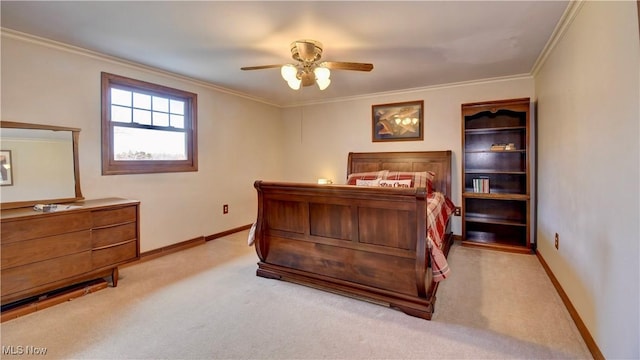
(497, 217)
(496, 196)
(486, 130)
(493, 171)
(495, 151)
(493, 221)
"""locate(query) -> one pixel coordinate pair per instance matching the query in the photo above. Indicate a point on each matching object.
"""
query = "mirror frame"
(75, 134)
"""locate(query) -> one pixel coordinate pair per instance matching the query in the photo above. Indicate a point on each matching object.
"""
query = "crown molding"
(558, 33)
(13, 34)
(413, 90)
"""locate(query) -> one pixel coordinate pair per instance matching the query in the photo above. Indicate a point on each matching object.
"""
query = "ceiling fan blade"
(340, 65)
(260, 67)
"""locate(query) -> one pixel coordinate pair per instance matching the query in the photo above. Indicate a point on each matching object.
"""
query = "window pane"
(177, 121)
(147, 122)
(160, 104)
(160, 119)
(120, 97)
(120, 114)
(142, 116)
(177, 107)
(143, 144)
(142, 101)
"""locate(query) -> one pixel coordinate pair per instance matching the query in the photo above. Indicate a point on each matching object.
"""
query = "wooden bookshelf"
(498, 216)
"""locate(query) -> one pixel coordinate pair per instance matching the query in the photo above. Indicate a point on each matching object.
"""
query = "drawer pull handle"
(112, 225)
(113, 245)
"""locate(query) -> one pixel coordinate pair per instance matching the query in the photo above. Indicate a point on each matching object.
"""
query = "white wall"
(238, 139)
(588, 93)
(319, 137)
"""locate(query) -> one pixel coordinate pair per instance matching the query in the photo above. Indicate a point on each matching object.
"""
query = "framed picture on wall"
(398, 121)
(5, 167)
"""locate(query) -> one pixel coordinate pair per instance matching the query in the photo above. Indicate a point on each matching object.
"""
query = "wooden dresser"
(42, 252)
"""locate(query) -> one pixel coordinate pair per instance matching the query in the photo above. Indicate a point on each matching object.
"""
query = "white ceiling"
(413, 44)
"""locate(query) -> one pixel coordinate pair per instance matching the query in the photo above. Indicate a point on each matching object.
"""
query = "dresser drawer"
(115, 254)
(112, 235)
(31, 251)
(55, 224)
(29, 276)
(114, 216)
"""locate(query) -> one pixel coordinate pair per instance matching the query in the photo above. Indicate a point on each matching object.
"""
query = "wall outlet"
(225, 209)
(457, 211)
(557, 240)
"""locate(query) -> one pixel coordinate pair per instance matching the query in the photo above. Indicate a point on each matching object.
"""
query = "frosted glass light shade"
(288, 72)
(294, 84)
(322, 77)
(323, 83)
(321, 73)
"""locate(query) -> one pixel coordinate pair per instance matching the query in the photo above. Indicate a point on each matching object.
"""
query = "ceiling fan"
(309, 69)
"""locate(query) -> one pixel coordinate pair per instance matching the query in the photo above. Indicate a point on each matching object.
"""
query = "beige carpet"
(207, 303)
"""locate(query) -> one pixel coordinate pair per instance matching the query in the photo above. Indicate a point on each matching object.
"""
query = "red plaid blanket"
(439, 209)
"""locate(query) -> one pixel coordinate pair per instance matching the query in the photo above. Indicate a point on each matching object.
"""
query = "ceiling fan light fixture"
(294, 84)
(322, 77)
(321, 73)
(309, 70)
(289, 72)
(323, 83)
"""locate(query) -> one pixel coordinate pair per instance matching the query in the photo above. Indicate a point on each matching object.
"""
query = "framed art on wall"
(5, 167)
(398, 121)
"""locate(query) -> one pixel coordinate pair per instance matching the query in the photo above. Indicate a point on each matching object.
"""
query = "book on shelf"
(481, 185)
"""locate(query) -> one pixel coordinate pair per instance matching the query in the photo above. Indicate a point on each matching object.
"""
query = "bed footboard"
(368, 243)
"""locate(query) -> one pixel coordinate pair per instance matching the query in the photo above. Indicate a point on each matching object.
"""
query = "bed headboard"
(436, 161)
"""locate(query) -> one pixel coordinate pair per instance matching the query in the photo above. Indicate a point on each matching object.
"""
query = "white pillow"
(374, 182)
(396, 183)
(252, 234)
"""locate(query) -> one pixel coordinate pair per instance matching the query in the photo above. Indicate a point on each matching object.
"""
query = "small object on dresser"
(45, 208)
(510, 146)
(498, 147)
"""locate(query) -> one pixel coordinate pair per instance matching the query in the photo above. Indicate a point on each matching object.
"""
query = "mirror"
(39, 164)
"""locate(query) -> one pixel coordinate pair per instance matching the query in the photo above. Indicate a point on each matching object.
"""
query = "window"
(147, 128)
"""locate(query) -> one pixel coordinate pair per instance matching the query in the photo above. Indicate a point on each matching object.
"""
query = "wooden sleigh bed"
(365, 242)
